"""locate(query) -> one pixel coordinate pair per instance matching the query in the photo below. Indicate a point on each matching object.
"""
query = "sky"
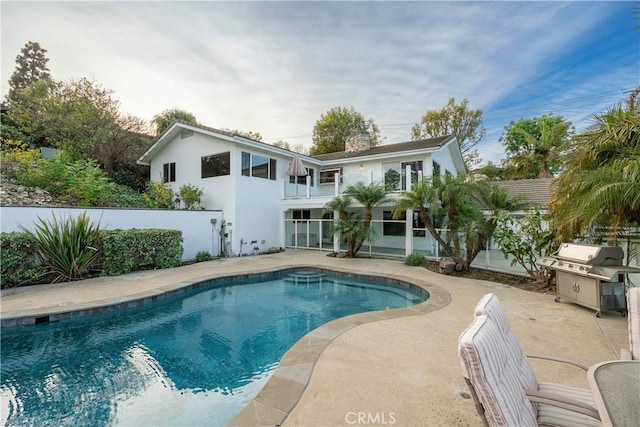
(276, 67)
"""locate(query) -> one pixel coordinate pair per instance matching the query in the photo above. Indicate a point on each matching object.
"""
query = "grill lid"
(591, 254)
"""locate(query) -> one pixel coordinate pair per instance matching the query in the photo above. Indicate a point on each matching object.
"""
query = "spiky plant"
(67, 247)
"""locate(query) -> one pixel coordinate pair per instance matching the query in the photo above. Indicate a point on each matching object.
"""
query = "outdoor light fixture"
(361, 167)
(177, 203)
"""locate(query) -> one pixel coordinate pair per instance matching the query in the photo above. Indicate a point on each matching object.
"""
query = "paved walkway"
(393, 367)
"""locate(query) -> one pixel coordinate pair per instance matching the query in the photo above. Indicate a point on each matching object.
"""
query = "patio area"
(380, 371)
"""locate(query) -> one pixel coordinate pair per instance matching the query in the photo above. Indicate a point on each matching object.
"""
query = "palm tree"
(423, 198)
(340, 204)
(353, 228)
(541, 158)
(600, 186)
(369, 196)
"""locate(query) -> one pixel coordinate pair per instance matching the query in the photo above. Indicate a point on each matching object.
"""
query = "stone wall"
(17, 195)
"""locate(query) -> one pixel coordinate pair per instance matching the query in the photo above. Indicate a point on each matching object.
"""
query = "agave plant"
(67, 247)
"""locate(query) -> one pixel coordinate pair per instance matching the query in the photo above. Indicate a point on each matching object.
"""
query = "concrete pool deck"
(397, 367)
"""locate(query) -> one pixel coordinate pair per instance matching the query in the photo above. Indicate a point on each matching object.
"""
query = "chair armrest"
(557, 359)
(625, 354)
(563, 402)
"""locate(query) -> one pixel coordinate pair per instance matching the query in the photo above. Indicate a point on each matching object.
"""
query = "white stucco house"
(256, 204)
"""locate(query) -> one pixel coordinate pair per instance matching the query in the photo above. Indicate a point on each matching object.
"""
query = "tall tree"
(533, 146)
(355, 228)
(31, 66)
(336, 125)
(600, 184)
(166, 118)
(458, 120)
(79, 117)
(456, 199)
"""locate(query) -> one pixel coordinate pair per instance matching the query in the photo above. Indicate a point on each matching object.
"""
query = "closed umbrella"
(296, 169)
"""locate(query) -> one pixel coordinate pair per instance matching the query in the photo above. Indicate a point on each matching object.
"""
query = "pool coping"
(282, 392)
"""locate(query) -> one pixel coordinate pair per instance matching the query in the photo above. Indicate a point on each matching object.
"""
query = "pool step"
(304, 277)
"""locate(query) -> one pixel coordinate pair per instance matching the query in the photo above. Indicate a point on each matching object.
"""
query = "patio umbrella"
(296, 169)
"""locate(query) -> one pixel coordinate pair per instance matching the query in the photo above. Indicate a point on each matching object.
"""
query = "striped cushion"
(553, 416)
(490, 306)
(633, 306)
(489, 367)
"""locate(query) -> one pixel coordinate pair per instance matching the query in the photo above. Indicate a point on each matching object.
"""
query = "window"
(301, 214)
(258, 166)
(303, 179)
(169, 172)
(329, 176)
(436, 170)
(398, 228)
(216, 165)
(447, 173)
(393, 228)
(395, 176)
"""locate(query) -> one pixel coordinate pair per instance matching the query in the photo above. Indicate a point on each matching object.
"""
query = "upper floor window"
(303, 179)
(329, 176)
(169, 172)
(216, 165)
(258, 166)
(395, 177)
(436, 170)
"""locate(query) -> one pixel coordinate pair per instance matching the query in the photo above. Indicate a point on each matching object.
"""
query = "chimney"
(357, 142)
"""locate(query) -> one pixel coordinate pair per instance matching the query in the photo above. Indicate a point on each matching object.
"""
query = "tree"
(336, 125)
(81, 118)
(533, 146)
(599, 187)
(527, 241)
(456, 200)
(297, 148)
(162, 121)
(353, 227)
(31, 66)
(457, 120)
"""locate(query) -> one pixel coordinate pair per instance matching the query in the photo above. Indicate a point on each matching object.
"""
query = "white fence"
(198, 232)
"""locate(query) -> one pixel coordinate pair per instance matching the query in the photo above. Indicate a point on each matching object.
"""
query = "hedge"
(140, 249)
(19, 262)
(123, 251)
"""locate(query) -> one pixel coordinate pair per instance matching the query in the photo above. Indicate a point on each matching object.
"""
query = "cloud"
(276, 67)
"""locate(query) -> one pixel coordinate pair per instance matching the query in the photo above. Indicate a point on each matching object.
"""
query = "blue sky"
(275, 67)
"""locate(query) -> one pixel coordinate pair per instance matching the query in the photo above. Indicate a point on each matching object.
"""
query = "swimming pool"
(193, 360)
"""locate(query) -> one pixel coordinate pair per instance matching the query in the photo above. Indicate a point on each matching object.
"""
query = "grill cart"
(590, 275)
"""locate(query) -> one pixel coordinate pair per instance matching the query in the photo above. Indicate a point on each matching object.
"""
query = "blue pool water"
(193, 360)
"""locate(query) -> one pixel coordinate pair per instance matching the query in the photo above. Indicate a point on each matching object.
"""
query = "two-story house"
(263, 206)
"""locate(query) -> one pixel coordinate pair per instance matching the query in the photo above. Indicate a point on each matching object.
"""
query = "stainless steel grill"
(590, 275)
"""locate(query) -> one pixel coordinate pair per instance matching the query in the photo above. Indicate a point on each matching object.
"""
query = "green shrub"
(19, 263)
(190, 195)
(159, 195)
(123, 196)
(203, 256)
(131, 250)
(67, 248)
(415, 259)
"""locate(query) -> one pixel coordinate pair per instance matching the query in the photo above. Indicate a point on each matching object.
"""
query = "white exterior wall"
(197, 231)
(443, 157)
(258, 212)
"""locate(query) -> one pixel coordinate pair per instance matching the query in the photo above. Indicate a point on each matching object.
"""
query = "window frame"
(249, 169)
(303, 179)
(203, 159)
(169, 172)
(330, 179)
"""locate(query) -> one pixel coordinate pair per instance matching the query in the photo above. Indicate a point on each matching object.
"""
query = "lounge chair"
(633, 313)
(503, 384)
